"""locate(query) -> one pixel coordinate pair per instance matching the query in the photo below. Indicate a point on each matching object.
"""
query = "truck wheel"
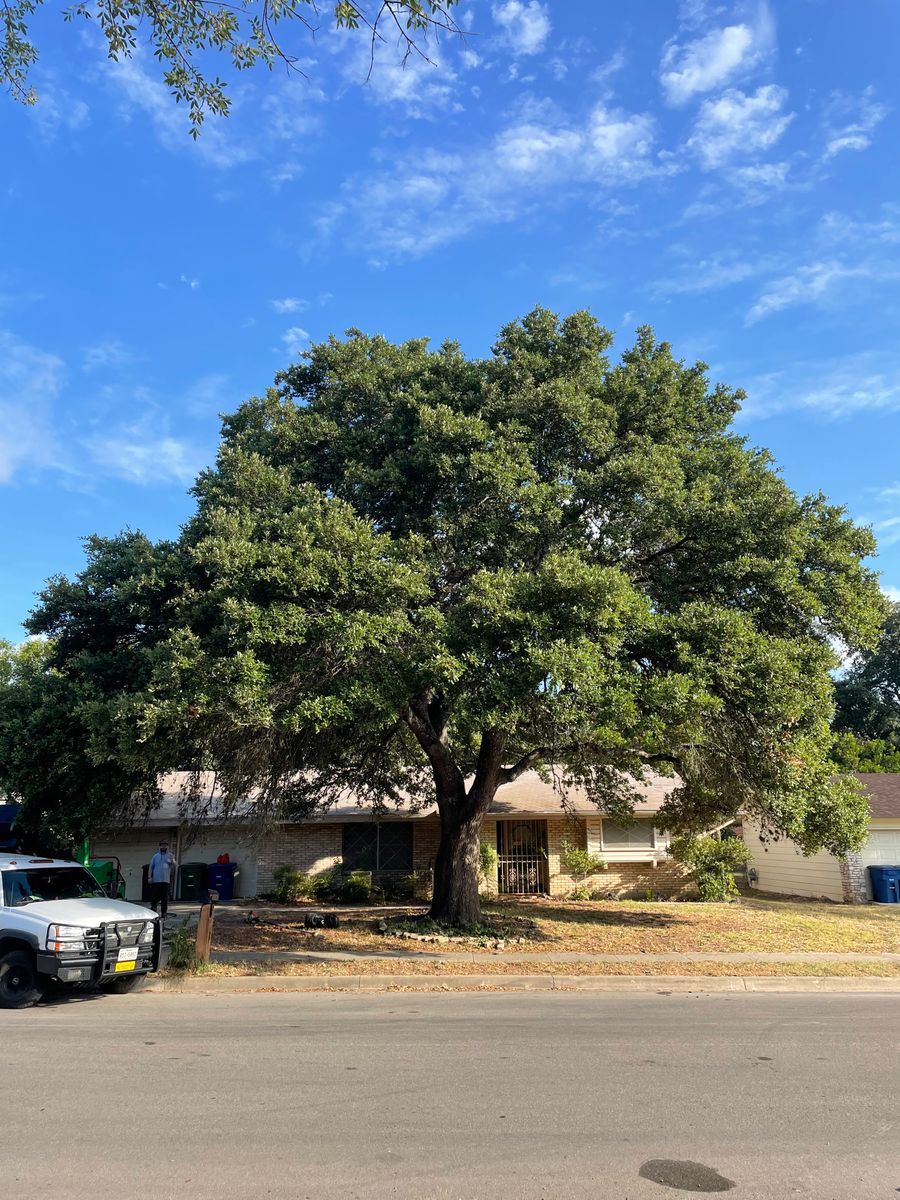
(20, 986)
(120, 987)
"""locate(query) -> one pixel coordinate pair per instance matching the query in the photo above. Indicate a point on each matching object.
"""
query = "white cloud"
(105, 354)
(834, 388)
(850, 122)
(290, 304)
(421, 84)
(737, 124)
(139, 453)
(295, 339)
(892, 593)
(207, 395)
(712, 273)
(190, 282)
(525, 27)
(436, 197)
(57, 109)
(813, 282)
(706, 63)
(30, 383)
(218, 144)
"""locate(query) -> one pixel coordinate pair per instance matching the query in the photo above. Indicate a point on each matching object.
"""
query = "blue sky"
(726, 173)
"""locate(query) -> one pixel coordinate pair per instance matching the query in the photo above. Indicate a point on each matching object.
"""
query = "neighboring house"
(781, 869)
(527, 825)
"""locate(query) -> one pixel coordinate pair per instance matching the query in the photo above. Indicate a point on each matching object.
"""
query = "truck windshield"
(59, 883)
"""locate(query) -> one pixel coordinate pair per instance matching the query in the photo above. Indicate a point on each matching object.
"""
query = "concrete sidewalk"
(658, 984)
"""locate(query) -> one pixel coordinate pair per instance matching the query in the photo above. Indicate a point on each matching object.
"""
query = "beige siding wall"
(208, 844)
(783, 869)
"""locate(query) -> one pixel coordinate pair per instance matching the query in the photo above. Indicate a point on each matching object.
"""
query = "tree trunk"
(455, 899)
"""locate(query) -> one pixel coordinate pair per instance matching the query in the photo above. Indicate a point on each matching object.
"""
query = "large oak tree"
(415, 575)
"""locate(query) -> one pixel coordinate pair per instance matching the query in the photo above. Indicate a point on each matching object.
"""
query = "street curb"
(523, 983)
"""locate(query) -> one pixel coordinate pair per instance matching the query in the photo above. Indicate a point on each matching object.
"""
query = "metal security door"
(522, 857)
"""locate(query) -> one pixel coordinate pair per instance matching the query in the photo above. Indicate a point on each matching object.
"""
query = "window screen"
(395, 846)
(628, 837)
(360, 847)
(371, 847)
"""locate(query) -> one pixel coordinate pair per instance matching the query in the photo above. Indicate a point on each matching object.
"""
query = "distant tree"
(851, 753)
(867, 698)
(181, 34)
(46, 764)
(411, 574)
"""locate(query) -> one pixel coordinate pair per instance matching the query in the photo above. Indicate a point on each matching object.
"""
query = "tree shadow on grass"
(653, 917)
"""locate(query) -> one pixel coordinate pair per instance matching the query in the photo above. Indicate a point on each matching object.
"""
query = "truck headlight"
(65, 937)
(146, 937)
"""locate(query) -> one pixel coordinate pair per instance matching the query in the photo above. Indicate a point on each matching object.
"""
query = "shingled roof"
(528, 795)
(884, 793)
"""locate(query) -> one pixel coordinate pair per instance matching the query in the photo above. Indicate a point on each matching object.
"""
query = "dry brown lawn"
(608, 927)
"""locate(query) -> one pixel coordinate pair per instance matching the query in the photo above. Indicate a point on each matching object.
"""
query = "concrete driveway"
(462, 1096)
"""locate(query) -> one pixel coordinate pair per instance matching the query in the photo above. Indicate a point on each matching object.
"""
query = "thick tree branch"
(418, 715)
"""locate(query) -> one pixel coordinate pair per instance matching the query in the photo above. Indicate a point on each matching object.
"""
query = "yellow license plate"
(125, 966)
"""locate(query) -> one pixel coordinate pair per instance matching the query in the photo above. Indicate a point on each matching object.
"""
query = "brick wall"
(317, 847)
(313, 847)
(310, 848)
(667, 878)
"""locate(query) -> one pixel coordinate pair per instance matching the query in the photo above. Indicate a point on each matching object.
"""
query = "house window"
(378, 847)
(640, 836)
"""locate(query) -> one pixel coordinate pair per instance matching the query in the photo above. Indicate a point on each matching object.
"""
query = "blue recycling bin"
(885, 884)
(220, 878)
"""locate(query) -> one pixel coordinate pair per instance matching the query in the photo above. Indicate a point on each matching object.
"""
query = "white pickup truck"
(58, 927)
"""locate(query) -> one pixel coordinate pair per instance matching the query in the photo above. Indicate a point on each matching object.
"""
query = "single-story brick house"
(780, 868)
(527, 826)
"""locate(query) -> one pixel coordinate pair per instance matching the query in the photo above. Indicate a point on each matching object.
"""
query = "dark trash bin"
(220, 877)
(193, 881)
(885, 884)
(145, 883)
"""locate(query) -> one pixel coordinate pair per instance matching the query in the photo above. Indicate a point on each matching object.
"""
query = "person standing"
(159, 876)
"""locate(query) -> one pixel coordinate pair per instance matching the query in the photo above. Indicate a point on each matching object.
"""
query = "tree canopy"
(182, 34)
(413, 574)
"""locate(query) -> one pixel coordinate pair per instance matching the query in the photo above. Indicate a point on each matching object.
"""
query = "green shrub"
(290, 884)
(596, 894)
(357, 889)
(181, 948)
(579, 863)
(579, 893)
(323, 885)
(713, 863)
(488, 860)
(400, 887)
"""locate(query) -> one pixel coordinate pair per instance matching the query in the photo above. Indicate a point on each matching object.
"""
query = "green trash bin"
(107, 873)
(193, 881)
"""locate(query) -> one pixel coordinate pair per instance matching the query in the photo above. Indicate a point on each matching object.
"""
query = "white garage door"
(881, 850)
(210, 844)
(134, 850)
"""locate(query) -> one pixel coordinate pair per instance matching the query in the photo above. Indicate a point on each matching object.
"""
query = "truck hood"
(87, 913)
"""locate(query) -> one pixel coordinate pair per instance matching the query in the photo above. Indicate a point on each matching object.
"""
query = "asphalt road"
(453, 1097)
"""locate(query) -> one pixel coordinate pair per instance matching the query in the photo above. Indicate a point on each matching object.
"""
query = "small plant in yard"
(356, 889)
(713, 863)
(290, 884)
(181, 948)
(323, 885)
(487, 864)
(579, 863)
